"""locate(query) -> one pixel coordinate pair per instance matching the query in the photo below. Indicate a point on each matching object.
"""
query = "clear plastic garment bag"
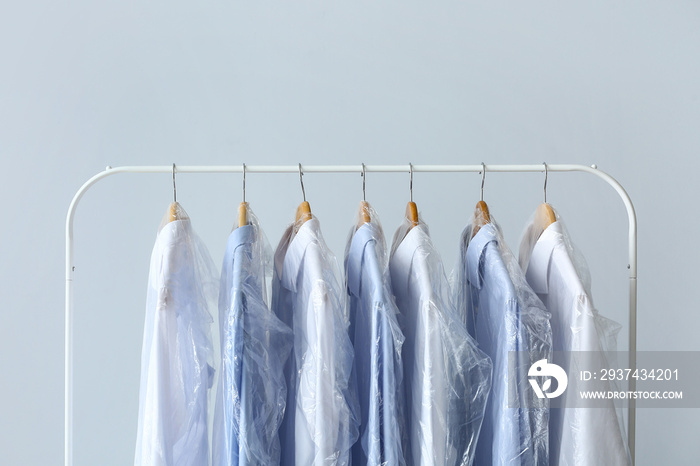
(378, 343)
(557, 272)
(511, 325)
(177, 365)
(255, 345)
(321, 419)
(447, 376)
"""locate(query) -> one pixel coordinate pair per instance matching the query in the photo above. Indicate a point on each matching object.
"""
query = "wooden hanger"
(173, 212)
(363, 214)
(481, 217)
(544, 215)
(304, 210)
(243, 214)
(481, 213)
(412, 213)
(303, 213)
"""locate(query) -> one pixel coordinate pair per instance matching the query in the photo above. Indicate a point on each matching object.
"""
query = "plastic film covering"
(557, 271)
(504, 315)
(448, 378)
(255, 344)
(177, 365)
(321, 420)
(378, 342)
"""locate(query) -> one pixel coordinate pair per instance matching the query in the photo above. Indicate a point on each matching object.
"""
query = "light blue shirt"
(447, 377)
(504, 318)
(254, 347)
(377, 340)
(321, 420)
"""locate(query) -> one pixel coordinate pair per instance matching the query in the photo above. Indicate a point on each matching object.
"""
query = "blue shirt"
(377, 340)
(504, 315)
(254, 347)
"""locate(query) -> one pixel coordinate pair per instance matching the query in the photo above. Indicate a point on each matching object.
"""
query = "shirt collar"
(309, 232)
(475, 251)
(174, 231)
(243, 234)
(362, 237)
(173, 240)
(540, 259)
(402, 258)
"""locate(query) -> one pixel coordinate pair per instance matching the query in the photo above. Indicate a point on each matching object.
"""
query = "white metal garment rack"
(593, 170)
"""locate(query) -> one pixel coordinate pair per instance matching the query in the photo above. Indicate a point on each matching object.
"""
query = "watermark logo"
(596, 379)
(542, 368)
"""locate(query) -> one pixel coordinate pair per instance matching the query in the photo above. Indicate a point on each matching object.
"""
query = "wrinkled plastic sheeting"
(255, 345)
(516, 427)
(448, 378)
(606, 329)
(321, 419)
(378, 342)
(177, 365)
(579, 435)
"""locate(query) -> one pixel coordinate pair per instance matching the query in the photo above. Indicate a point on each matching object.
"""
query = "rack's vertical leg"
(68, 403)
(631, 430)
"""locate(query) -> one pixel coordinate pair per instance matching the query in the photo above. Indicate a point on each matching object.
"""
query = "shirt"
(447, 377)
(579, 436)
(176, 367)
(507, 320)
(377, 340)
(320, 423)
(255, 344)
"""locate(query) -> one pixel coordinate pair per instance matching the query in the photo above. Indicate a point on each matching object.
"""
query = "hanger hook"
(483, 177)
(301, 180)
(364, 179)
(244, 182)
(174, 188)
(410, 186)
(545, 181)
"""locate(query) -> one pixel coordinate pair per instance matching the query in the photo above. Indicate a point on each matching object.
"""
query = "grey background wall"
(89, 84)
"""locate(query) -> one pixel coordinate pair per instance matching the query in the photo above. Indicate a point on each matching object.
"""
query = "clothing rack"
(408, 168)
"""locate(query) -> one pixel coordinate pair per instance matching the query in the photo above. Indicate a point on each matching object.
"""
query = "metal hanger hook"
(483, 177)
(410, 185)
(243, 182)
(545, 181)
(301, 180)
(174, 188)
(364, 180)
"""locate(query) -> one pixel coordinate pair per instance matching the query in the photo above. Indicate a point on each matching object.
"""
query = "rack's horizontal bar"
(348, 168)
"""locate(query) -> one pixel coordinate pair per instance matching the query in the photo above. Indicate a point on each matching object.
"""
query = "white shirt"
(447, 377)
(176, 366)
(321, 420)
(580, 436)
